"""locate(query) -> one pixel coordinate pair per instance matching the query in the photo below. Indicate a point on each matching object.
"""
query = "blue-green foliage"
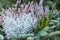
(1, 37)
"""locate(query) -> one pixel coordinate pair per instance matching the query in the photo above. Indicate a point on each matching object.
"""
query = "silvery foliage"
(1, 37)
(22, 25)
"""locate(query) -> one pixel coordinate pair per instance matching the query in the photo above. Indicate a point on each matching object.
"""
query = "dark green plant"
(41, 24)
(6, 3)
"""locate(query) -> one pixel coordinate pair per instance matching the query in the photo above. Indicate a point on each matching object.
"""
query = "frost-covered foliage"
(21, 25)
